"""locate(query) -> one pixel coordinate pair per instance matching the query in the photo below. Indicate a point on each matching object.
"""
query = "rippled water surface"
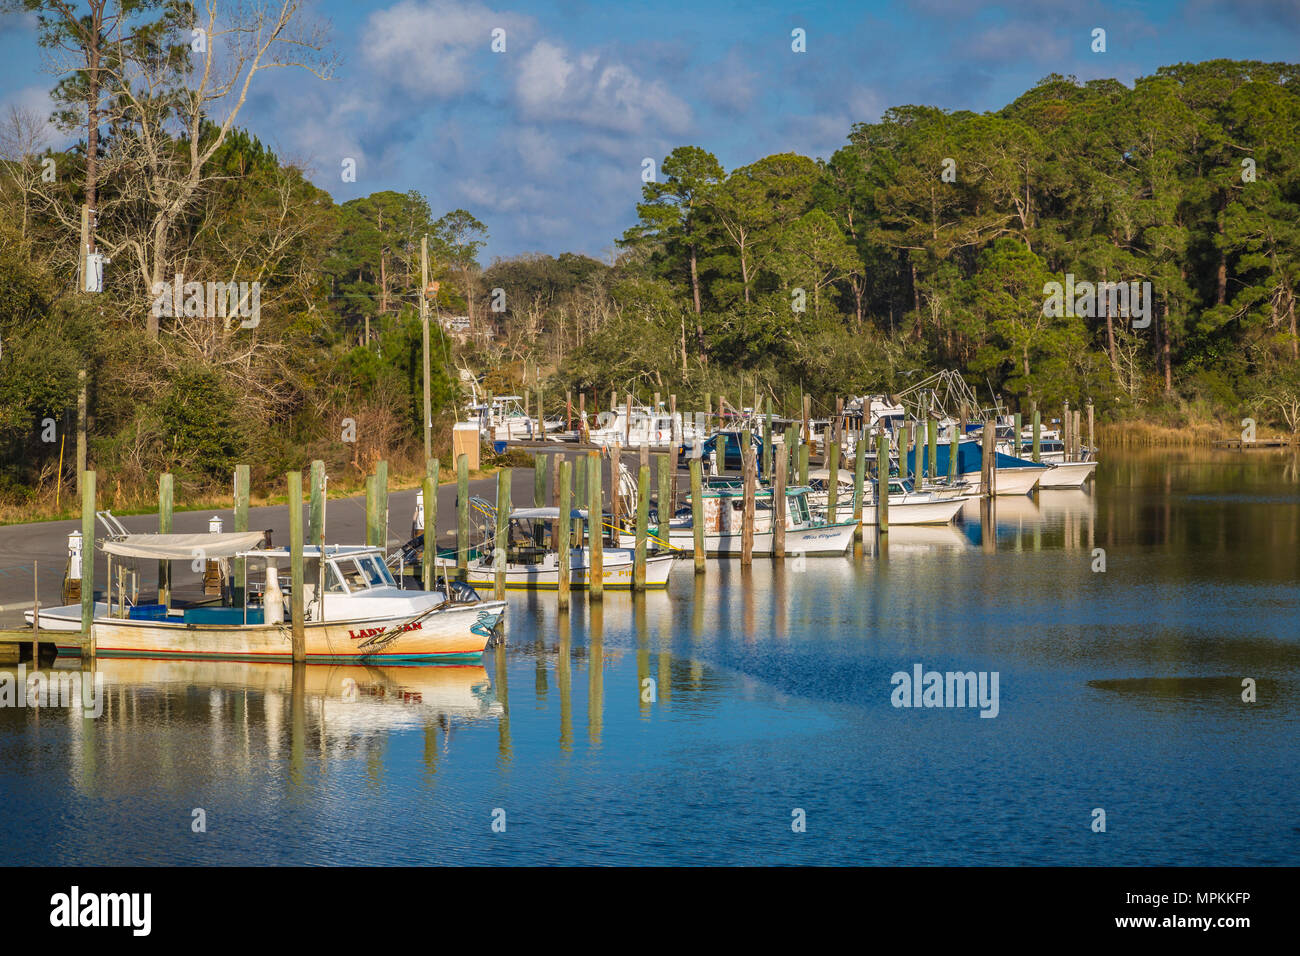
(1118, 690)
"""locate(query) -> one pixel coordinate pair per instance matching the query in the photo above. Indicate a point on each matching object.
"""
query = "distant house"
(459, 327)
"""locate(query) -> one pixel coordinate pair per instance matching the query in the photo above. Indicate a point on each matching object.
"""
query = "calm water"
(1118, 690)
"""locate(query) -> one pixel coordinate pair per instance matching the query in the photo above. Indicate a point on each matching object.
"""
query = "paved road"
(46, 543)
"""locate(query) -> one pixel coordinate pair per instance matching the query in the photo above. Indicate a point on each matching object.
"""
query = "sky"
(546, 141)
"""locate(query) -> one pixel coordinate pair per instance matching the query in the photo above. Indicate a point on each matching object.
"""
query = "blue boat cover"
(970, 456)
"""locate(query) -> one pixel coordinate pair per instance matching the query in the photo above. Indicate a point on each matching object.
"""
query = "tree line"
(928, 240)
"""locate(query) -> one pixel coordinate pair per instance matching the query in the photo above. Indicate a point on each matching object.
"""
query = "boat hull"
(616, 576)
(825, 541)
(916, 512)
(455, 634)
(1010, 481)
(1070, 474)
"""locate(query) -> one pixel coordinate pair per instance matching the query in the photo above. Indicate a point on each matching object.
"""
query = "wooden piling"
(803, 463)
(381, 506)
(596, 511)
(882, 482)
(1092, 442)
(315, 510)
(615, 500)
(88, 560)
(697, 513)
(462, 517)
(1065, 430)
(904, 446)
(642, 523)
(503, 533)
(371, 523)
(296, 604)
(779, 507)
(1075, 432)
(833, 481)
(563, 527)
(954, 449)
(165, 487)
(539, 495)
(579, 471)
(749, 461)
(1038, 436)
(428, 564)
(665, 503)
(36, 615)
(932, 430)
(987, 459)
(859, 482)
(767, 442)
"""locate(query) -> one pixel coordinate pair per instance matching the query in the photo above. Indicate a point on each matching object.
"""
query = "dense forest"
(927, 241)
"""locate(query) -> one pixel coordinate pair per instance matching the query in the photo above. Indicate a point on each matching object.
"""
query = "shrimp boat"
(1011, 476)
(906, 506)
(531, 564)
(723, 506)
(504, 420)
(1051, 451)
(354, 611)
(656, 427)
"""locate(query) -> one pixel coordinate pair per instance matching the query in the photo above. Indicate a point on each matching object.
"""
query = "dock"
(1240, 445)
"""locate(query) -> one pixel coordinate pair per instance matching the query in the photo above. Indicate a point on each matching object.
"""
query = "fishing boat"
(906, 506)
(530, 563)
(723, 507)
(354, 611)
(1011, 476)
(1051, 451)
(656, 427)
(503, 420)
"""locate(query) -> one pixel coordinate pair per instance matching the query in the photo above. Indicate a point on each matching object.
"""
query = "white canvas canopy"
(183, 547)
(545, 514)
(824, 474)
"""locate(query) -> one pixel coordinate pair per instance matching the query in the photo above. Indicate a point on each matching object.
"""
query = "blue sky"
(545, 141)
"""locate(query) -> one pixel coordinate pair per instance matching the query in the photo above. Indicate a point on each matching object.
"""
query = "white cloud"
(429, 47)
(590, 89)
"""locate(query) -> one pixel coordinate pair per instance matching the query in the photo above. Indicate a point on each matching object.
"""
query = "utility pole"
(83, 254)
(424, 322)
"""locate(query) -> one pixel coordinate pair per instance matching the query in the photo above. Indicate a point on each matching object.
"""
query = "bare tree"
(23, 134)
(177, 114)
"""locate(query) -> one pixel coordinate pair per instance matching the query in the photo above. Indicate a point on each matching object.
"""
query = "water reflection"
(767, 685)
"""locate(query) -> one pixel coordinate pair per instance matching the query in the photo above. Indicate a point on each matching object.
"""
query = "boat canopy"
(822, 474)
(183, 547)
(970, 455)
(544, 514)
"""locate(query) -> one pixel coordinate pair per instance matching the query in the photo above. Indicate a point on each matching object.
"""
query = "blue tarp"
(970, 457)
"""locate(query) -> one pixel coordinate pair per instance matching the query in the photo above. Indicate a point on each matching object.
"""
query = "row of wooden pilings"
(581, 482)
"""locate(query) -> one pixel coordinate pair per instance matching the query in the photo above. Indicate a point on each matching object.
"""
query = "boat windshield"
(333, 582)
(376, 573)
(353, 574)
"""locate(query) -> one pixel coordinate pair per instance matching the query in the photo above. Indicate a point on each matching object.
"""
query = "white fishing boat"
(531, 564)
(503, 420)
(906, 506)
(354, 611)
(656, 427)
(1011, 476)
(723, 507)
(1051, 451)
